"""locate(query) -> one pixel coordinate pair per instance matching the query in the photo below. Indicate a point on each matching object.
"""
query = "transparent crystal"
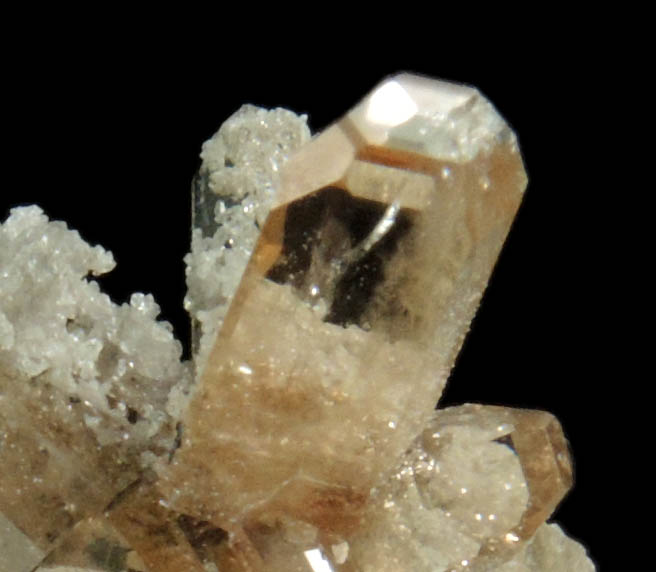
(350, 313)
(467, 492)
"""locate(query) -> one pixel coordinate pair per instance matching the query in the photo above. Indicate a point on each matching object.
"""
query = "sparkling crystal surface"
(351, 311)
(331, 282)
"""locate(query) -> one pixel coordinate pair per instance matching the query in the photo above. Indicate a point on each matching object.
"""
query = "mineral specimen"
(331, 283)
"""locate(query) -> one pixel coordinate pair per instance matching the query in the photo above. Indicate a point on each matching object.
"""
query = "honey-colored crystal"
(466, 493)
(351, 311)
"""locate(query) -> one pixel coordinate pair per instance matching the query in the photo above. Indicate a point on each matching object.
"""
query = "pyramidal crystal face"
(338, 340)
(331, 283)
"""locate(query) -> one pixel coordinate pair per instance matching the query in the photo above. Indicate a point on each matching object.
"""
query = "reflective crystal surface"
(331, 282)
(348, 318)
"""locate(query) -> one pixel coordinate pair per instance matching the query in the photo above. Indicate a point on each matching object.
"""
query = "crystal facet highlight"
(351, 311)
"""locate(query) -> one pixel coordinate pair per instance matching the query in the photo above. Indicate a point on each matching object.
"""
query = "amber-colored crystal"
(542, 454)
(351, 312)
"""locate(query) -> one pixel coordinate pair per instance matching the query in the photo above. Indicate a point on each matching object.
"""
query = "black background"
(108, 140)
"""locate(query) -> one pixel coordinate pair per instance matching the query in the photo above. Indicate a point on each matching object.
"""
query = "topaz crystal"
(346, 322)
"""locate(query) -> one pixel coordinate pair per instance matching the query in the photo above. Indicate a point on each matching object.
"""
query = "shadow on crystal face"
(325, 258)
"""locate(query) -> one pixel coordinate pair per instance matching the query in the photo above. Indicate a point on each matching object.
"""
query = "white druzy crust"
(233, 193)
(57, 325)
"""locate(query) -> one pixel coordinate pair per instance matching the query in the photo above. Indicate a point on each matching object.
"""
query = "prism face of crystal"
(348, 318)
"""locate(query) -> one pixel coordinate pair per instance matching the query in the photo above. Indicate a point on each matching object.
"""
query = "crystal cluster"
(331, 282)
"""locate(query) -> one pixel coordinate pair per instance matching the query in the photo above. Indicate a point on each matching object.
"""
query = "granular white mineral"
(56, 325)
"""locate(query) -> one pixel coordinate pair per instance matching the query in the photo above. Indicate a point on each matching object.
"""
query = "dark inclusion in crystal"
(108, 555)
(203, 537)
(322, 255)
